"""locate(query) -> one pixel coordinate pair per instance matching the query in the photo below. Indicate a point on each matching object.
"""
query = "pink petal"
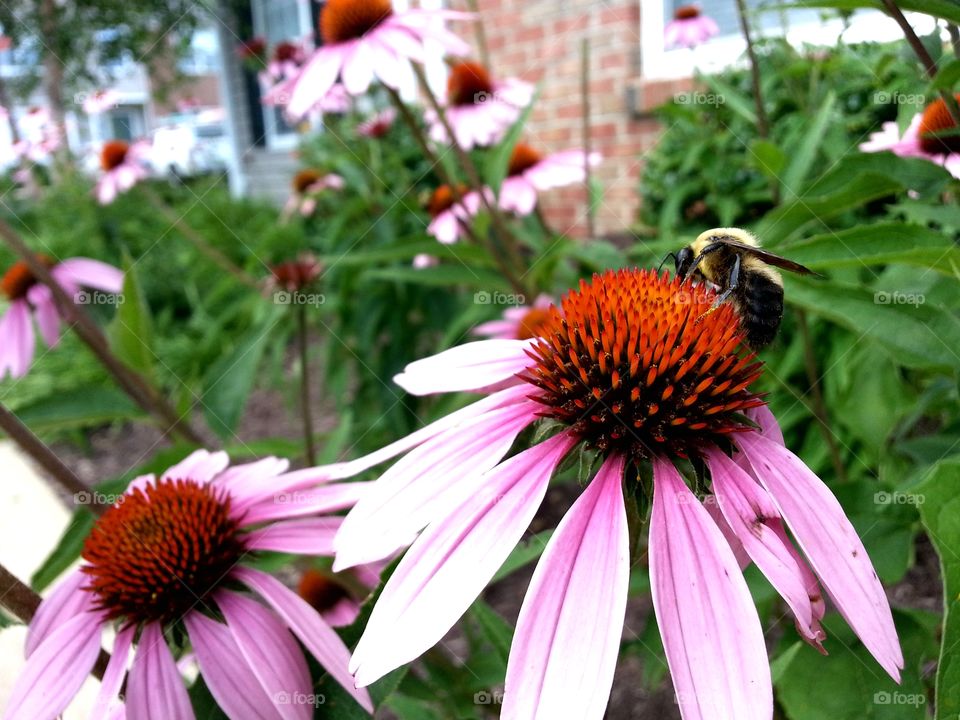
(65, 602)
(270, 651)
(743, 559)
(17, 342)
(311, 536)
(113, 676)
(315, 80)
(453, 560)
(56, 670)
(318, 501)
(466, 367)
(830, 543)
(357, 73)
(709, 625)
(89, 273)
(200, 466)
(227, 672)
(155, 690)
(750, 511)
(253, 481)
(323, 643)
(769, 427)
(518, 195)
(567, 640)
(46, 314)
(426, 484)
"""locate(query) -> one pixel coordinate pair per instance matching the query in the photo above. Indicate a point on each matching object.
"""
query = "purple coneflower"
(307, 185)
(28, 297)
(364, 39)
(377, 125)
(643, 370)
(931, 134)
(530, 173)
(519, 323)
(100, 101)
(479, 109)
(170, 554)
(689, 28)
(448, 216)
(123, 167)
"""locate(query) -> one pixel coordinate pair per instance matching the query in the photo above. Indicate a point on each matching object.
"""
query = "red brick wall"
(539, 41)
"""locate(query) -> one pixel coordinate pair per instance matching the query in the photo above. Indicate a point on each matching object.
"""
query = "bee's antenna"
(668, 255)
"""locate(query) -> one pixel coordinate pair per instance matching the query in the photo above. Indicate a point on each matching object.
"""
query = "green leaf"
(132, 328)
(947, 76)
(66, 552)
(83, 407)
(878, 244)
(498, 160)
(768, 158)
(441, 276)
(494, 628)
(940, 513)
(526, 552)
(230, 379)
(732, 98)
(916, 335)
(807, 149)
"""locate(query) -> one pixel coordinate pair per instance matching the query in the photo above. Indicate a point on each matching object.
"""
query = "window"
(799, 26)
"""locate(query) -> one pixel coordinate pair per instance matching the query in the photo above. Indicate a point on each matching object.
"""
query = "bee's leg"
(733, 282)
(713, 247)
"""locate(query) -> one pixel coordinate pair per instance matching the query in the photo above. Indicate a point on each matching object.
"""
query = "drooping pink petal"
(89, 273)
(17, 342)
(315, 80)
(769, 427)
(427, 483)
(749, 511)
(453, 560)
(201, 466)
(830, 543)
(567, 640)
(155, 690)
(743, 559)
(711, 634)
(323, 643)
(270, 651)
(518, 195)
(338, 471)
(45, 312)
(113, 676)
(65, 602)
(316, 501)
(357, 73)
(56, 670)
(309, 536)
(469, 366)
(227, 672)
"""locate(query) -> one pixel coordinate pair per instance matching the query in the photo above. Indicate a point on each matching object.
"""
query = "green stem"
(309, 442)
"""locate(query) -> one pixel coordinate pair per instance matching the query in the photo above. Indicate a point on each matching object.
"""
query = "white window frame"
(278, 138)
(659, 63)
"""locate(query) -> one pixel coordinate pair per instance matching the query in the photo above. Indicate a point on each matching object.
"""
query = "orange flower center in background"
(113, 154)
(343, 20)
(321, 591)
(469, 84)
(935, 120)
(296, 274)
(686, 12)
(641, 364)
(304, 179)
(285, 51)
(523, 158)
(19, 278)
(443, 199)
(161, 550)
(534, 323)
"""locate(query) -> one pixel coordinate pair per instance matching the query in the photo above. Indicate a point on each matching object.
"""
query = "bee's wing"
(769, 257)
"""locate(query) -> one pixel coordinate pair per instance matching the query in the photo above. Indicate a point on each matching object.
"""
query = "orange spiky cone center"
(343, 20)
(644, 365)
(296, 274)
(18, 279)
(304, 179)
(443, 199)
(321, 591)
(534, 323)
(937, 131)
(113, 153)
(469, 84)
(522, 158)
(686, 12)
(161, 551)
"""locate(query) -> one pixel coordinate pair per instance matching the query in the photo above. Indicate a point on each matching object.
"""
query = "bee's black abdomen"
(761, 308)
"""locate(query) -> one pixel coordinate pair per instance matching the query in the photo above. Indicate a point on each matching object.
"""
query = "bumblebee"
(732, 260)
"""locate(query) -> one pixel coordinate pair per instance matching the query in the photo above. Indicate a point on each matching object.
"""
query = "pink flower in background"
(927, 136)
(689, 28)
(367, 39)
(622, 368)
(30, 300)
(204, 519)
(530, 173)
(378, 124)
(307, 186)
(448, 216)
(100, 101)
(286, 60)
(519, 323)
(123, 166)
(424, 260)
(330, 595)
(479, 109)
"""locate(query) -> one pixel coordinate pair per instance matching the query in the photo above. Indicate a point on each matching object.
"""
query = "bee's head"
(684, 260)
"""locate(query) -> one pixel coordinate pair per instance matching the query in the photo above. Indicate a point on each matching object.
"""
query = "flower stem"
(45, 457)
(925, 59)
(819, 406)
(198, 241)
(301, 313)
(954, 38)
(585, 103)
(480, 32)
(450, 182)
(134, 384)
(23, 602)
(473, 177)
